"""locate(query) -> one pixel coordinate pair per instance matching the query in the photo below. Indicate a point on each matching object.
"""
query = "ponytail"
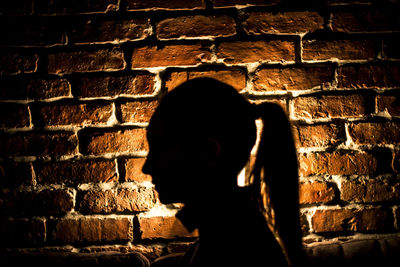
(274, 177)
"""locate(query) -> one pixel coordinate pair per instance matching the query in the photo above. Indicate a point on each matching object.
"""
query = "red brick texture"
(80, 80)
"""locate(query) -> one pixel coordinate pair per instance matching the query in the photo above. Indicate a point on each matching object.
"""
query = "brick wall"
(79, 81)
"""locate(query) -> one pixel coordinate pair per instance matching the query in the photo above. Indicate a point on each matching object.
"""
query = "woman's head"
(200, 136)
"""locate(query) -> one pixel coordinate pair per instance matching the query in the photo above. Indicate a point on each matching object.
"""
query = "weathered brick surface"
(74, 7)
(316, 192)
(287, 22)
(324, 135)
(337, 220)
(92, 229)
(133, 170)
(328, 49)
(26, 232)
(292, 78)
(14, 115)
(170, 55)
(369, 76)
(106, 31)
(375, 133)
(196, 26)
(38, 144)
(331, 106)
(86, 61)
(255, 51)
(15, 63)
(76, 172)
(13, 88)
(337, 163)
(15, 174)
(163, 227)
(137, 111)
(124, 200)
(59, 114)
(116, 85)
(133, 140)
(235, 78)
(389, 103)
(370, 191)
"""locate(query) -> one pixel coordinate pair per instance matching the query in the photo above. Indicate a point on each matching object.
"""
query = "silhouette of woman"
(200, 138)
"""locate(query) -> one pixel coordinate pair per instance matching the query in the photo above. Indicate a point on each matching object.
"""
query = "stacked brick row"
(79, 81)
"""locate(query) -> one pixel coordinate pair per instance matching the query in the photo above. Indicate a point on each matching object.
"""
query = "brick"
(15, 63)
(37, 203)
(363, 20)
(355, 220)
(369, 76)
(337, 163)
(15, 174)
(255, 51)
(60, 114)
(287, 22)
(369, 191)
(389, 103)
(38, 144)
(14, 115)
(108, 31)
(235, 78)
(170, 55)
(63, 7)
(232, 3)
(76, 172)
(124, 200)
(165, 4)
(92, 229)
(325, 135)
(119, 141)
(329, 49)
(114, 86)
(133, 170)
(292, 78)
(12, 88)
(196, 26)
(163, 227)
(330, 106)
(86, 61)
(316, 192)
(31, 31)
(137, 111)
(397, 217)
(375, 133)
(22, 232)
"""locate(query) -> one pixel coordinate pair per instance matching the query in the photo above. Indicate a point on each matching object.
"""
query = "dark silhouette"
(200, 138)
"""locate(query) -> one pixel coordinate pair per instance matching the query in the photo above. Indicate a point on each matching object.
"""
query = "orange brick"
(331, 107)
(389, 103)
(233, 3)
(255, 51)
(375, 133)
(340, 49)
(163, 227)
(59, 114)
(137, 111)
(316, 192)
(14, 115)
(86, 61)
(14, 63)
(369, 76)
(337, 163)
(319, 135)
(292, 78)
(118, 141)
(287, 22)
(338, 220)
(92, 229)
(235, 78)
(196, 26)
(133, 170)
(170, 55)
(165, 4)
